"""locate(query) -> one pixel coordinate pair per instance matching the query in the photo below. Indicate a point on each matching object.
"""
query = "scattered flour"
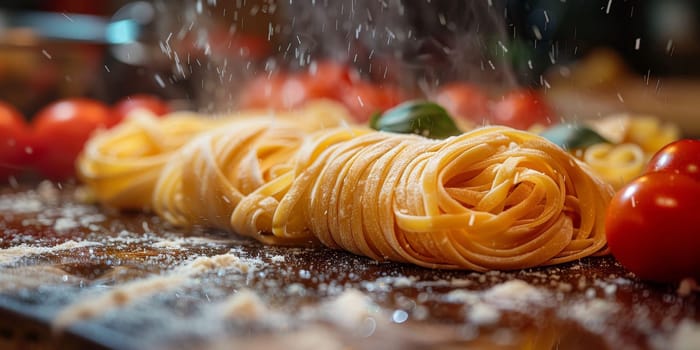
(462, 296)
(127, 293)
(245, 305)
(349, 309)
(515, 294)
(592, 314)
(130, 292)
(278, 258)
(483, 314)
(686, 336)
(13, 254)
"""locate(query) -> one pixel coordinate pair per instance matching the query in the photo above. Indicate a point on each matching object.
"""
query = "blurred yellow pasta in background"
(616, 164)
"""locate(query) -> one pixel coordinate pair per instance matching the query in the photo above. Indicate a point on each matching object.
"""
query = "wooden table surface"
(75, 275)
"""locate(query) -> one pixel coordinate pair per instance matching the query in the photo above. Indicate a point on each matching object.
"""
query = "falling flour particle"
(159, 80)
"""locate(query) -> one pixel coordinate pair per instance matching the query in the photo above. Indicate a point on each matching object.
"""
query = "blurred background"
(589, 57)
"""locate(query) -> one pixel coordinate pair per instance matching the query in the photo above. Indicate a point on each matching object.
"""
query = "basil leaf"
(416, 117)
(374, 119)
(573, 136)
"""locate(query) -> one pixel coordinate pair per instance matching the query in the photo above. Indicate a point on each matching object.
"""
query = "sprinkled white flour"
(143, 279)
(15, 253)
(129, 292)
(245, 304)
(686, 336)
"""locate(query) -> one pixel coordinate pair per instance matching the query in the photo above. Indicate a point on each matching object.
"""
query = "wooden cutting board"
(74, 276)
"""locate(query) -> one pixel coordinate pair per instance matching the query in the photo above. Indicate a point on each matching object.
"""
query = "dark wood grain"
(592, 303)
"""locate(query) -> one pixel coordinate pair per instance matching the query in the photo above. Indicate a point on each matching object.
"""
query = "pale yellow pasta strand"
(616, 164)
(116, 164)
(493, 198)
(121, 166)
(338, 179)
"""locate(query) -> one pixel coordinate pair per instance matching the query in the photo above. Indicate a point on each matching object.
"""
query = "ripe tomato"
(522, 109)
(13, 141)
(652, 229)
(303, 87)
(60, 131)
(324, 79)
(279, 91)
(262, 91)
(225, 44)
(682, 157)
(463, 100)
(364, 99)
(125, 106)
(330, 77)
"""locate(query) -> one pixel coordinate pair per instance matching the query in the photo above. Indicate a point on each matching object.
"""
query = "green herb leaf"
(416, 117)
(374, 119)
(573, 136)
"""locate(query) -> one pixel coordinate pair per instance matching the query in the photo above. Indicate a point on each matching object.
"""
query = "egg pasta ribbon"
(121, 166)
(492, 198)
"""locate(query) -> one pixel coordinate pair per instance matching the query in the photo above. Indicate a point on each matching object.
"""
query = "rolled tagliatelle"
(616, 164)
(119, 163)
(203, 182)
(121, 166)
(493, 198)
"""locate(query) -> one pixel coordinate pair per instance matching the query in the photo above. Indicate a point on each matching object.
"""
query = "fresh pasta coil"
(492, 198)
(127, 160)
(616, 164)
(121, 166)
(203, 182)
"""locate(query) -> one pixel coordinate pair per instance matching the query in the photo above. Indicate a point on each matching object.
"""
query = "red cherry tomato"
(223, 43)
(60, 131)
(284, 91)
(652, 229)
(365, 99)
(13, 141)
(279, 92)
(262, 91)
(522, 109)
(682, 157)
(464, 101)
(330, 77)
(150, 103)
(322, 80)
(303, 87)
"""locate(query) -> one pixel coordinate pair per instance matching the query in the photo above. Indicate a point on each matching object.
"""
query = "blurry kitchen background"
(197, 53)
